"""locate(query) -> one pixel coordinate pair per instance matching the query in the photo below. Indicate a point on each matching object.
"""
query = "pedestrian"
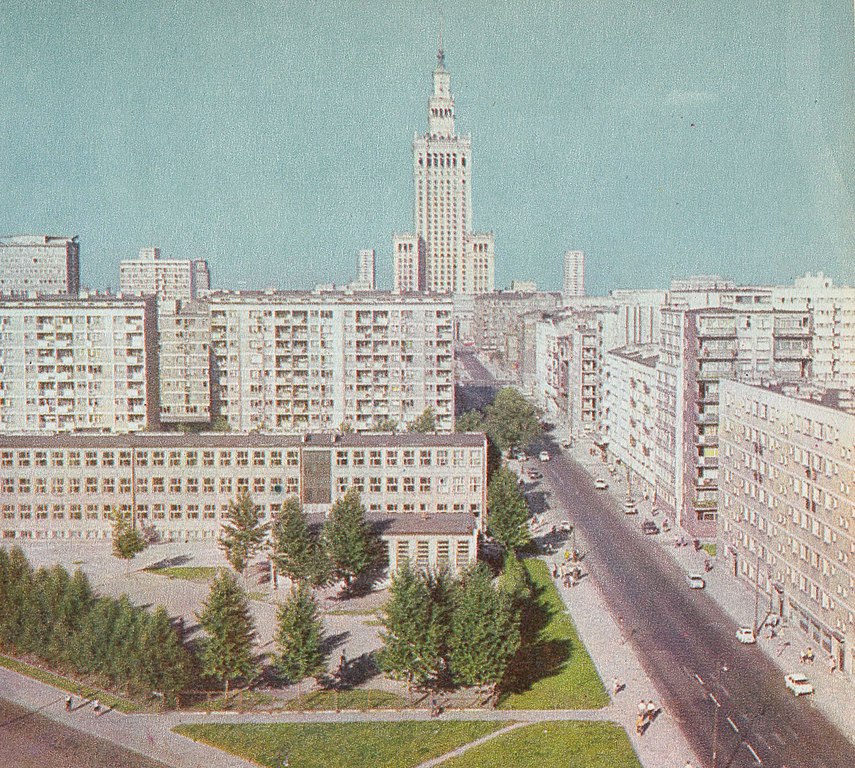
(566, 554)
(642, 708)
(832, 664)
(555, 570)
(96, 707)
(68, 703)
(650, 711)
(639, 725)
(616, 686)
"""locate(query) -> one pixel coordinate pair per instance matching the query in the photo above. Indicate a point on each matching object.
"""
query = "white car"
(544, 456)
(695, 581)
(798, 684)
(566, 526)
(600, 484)
(746, 635)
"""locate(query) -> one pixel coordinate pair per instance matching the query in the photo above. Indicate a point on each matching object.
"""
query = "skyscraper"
(365, 274)
(574, 274)
(456, 259)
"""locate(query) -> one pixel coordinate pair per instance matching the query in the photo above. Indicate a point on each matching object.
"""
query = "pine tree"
(294, 550)
(299, 637)
(485, 631)
(349, 541)
(227, 651)
(128, 542)
(243, 533)
(508, 512)
(416, 623)
(167, 665)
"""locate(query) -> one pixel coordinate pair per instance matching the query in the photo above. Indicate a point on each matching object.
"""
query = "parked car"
(520, 455)
(746, 635)
(649, 528)
(798, 684)
(600, 484)
(695, 581)
(566, 526)
(544, 456)
(534, 474)
(630, 507)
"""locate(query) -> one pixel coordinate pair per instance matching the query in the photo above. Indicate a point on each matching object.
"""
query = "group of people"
(646, 715)
(570, 575)
(96, 705)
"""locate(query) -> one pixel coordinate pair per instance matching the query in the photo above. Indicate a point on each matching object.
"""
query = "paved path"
(466, 747)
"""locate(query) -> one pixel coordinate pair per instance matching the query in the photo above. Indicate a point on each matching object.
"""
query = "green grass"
(552, 669)
(709, 549)
(67, 684)
(339, 745)
(186, 572)
(568, 744)
(357, 698)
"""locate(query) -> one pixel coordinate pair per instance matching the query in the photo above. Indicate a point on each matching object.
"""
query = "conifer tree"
(299, 637)
(296, 552)
(484, 631)
(168, 665)
(243, 533)
(349, 541)
(128, 542)
(508, 512)
(227, 651)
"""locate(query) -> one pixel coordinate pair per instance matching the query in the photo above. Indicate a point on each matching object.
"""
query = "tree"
(384, 424)
(299, 637)
(128, 542)
(220, 424)
(167, 662)
(425, 422)
(416, 622)
(243, 532)
(511, 420)
(227, 650)
(471, 421)
(508, 512)
(485, 631)
(295, 551)
(349, 541)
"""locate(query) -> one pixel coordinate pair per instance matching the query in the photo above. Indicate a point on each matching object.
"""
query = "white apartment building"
(168, 279)
(299, 361)
(39, 265)
(409, 258)
(698, 348)
(184, 337)
(787, 506)
(78, 364)
(832, 309)
(425, 493)
(366, 275)
(456, 259)
(574, 274)
(628, 412)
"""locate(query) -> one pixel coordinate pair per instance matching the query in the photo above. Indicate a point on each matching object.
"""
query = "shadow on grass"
(539, 656)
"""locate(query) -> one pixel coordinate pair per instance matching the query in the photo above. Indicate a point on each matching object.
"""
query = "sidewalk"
(834, 695)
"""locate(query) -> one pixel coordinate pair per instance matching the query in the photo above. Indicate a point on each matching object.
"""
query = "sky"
(274, 137)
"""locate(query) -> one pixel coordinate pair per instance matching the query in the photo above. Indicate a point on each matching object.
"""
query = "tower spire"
(440, 53)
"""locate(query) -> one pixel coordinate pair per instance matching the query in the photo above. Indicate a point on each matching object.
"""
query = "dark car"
(649, 528)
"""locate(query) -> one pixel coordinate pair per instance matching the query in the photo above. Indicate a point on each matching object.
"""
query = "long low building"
(426, 493)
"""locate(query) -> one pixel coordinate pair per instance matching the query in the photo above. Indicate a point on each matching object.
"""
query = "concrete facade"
(787, 506)
(574, 274)
(300, 361)
(39, 265)
(409, 263)
(78, 364)
(168, 279)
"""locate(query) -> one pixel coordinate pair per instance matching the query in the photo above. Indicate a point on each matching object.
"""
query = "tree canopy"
(350, 543)
(511, 421)
(243, 532)
(508, 512)
(424, 422)
(299, 637)
(295, 550)
(128, 541)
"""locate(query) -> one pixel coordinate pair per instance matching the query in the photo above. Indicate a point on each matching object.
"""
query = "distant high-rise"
(365, 274)
(39, 265)
(456, 259)
(409, 255)
(168, 279)
(574, 274)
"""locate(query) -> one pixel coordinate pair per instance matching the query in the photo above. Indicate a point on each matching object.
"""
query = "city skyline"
(660, 142)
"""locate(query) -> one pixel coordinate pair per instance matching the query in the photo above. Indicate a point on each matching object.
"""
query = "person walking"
(96, 707)
(650, 711)
(615, 686)
(69, 702)
(639, 725)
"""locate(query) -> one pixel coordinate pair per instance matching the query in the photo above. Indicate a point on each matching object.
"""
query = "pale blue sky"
(274, 138)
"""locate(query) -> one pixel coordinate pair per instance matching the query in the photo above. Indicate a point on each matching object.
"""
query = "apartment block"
(574, 274)
(366, 275)
(409, 257)
(299, 361)
(832, 311)
(39, 265)
(184, 332)
(425, 493)
(628, 412)
(787, 506)
(78, 364)
(168, 279)
(699, 347)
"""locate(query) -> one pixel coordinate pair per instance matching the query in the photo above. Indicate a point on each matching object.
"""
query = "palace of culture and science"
(443, 255)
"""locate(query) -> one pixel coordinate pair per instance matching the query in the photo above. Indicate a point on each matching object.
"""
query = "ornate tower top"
(441, 103)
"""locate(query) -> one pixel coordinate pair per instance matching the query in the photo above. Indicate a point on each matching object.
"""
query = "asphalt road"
(29, 740)
(728, 697)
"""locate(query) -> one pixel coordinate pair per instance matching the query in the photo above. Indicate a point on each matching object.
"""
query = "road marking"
(777, 736)
(726, 692)
(699, 679)
(751, 750)
(712, 696)
(733, 725)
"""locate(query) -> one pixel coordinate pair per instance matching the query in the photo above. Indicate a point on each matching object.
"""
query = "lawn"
(552, 669)
(568, 744)
(340, 745)
(69, 685)
(200, 573)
